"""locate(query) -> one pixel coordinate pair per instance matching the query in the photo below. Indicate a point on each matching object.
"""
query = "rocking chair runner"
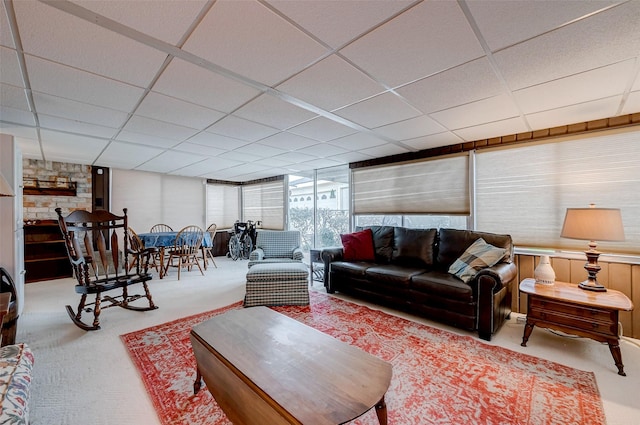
(104, 270)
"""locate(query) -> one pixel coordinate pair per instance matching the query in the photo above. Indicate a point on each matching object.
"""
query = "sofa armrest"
(494, 297)
(329, 255)
(297, 254)
(256, 255)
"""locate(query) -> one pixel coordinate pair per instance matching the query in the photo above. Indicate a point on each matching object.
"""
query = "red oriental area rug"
(438, 377)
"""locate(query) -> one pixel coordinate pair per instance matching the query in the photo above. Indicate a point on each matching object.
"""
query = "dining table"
(162, 240)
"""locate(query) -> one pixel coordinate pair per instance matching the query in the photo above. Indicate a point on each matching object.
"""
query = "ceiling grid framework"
(242, 90)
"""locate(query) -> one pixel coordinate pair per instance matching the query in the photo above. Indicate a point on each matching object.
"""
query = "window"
(223, 205)
(264, 202)
(414, 221)
(525, 191)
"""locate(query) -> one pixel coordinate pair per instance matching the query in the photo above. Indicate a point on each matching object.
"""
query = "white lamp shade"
(5, 189)
(593, 224)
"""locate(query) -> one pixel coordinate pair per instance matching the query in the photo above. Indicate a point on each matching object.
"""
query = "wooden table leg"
(381, 411)
(617, 357)
(161, 262)
(198, 383)
(528, 328)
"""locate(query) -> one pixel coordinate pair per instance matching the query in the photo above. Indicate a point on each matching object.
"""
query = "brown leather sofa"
(410, 273)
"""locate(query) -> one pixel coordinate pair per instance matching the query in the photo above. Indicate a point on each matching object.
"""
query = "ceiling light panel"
(83, 45)
(63, 81)
(249, 39)
(337, 22)
(169, 109)
(583, 45)
(195, 84)
(395, 52)
(274, 112)
(165, 20)
(463, 84)
(503, 23)
(331, 84)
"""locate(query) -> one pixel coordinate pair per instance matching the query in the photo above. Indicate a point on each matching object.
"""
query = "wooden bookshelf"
(45, 254)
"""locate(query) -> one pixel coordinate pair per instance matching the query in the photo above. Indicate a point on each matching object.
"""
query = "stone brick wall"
(42, 207)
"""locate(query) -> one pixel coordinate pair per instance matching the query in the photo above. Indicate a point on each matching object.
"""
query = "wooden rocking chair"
(108, 268)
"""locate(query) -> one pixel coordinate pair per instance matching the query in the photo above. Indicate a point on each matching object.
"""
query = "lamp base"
(591, 286)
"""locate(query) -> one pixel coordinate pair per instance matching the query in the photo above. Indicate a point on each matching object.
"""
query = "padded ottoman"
(277, 284)
(16, 364)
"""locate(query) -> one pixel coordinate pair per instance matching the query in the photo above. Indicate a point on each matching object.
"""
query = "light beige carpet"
(87, 377)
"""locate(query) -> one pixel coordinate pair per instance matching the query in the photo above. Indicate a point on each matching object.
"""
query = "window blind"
(435, 186)
(525, 191)
(152, 198)
(264, 202)
(223, 205)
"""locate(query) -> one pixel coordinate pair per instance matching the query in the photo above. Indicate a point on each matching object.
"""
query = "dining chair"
(186, 249)
(161, 228)
(137, 246)
(207, 251)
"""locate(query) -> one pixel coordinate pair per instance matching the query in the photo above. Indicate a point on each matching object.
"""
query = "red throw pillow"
(358, 246)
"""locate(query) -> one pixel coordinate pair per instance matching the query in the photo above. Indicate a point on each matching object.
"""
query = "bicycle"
(242, 241)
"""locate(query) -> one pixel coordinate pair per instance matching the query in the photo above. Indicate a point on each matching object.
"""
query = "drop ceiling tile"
(260, 150)
(322, 129)
(251, 40)
(273, 162)
(503, 23)
(197, 169)
(165, 20)
(139, 124)
(64, 147)
(216, 141)
(323, 150)
(83, 45)
(295, 157)
(126, 156)
(358, 141)
(78, 127)
(433, 141)
(428, 38)
(169, 161)
(195, 84)
(242, 129)
(319, 163)
(487, 110)
(463, 84)
(239, 156)
(63, 81)
(169, 109)
(5, 31)
(492, 129)
(199, 149)
(349, 157)
(13, 97)
(10, 68)
(632, 105)
(575, 113)
(223, 164)
(274, 112)
(411, 128)
(330, 84)
(19, 131)
(16, 116)
(384, 150)
(591, 85)
(599, 40)
(636, 85)
(337, 22)
(78, 111)
(29, 147)
(288, 141)
(384, 109)
(145, 139)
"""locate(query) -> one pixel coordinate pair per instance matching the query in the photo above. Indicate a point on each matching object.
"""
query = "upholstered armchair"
(275, 246)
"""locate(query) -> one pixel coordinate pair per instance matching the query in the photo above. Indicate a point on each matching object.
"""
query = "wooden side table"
(5, 299)
(317, 273)
(567, 308)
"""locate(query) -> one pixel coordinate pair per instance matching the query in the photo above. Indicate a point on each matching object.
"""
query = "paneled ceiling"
(241, 89)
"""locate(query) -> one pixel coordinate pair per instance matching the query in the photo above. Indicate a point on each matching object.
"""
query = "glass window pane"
(332, 215)
(301, 195)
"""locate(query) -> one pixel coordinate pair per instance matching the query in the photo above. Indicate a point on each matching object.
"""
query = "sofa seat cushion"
(356, 269)
(443, 284)
(393, 274)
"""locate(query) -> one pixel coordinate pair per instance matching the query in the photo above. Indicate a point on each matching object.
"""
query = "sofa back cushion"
(382, 242)
(452, 243)
(414, 247)
(358, 246)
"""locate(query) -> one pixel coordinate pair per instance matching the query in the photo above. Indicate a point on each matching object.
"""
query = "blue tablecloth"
(165, 239)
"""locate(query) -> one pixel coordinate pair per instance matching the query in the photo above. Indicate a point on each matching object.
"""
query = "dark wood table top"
(570, 292)
(314, 377)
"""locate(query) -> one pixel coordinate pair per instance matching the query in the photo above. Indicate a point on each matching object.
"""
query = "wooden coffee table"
(568, 308)
(263, 367)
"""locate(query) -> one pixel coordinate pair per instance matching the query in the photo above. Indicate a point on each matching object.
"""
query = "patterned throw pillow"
(478, 256)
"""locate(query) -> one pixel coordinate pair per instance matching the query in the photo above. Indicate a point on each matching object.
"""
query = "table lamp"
(591, 224)
(5, 189)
